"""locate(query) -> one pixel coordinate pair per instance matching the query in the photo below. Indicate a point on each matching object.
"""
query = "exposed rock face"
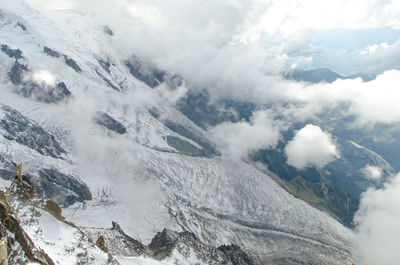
(22, 225)
(185, 147)
(63, 189)
(151, 76)
(16, 72)
(21, 25)
(71, 63)
(108, 31)
(110, 123)
(51, 52)
(27, 132)
(44, 93)
(235, 254)
(208, 147)
(105, 64)
(108, 82)
(117, 242)
(166, 242)
(17, 53)
(28, 88)
(21, 247)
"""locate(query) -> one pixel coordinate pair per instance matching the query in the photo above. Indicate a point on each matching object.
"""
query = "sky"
(239, 49)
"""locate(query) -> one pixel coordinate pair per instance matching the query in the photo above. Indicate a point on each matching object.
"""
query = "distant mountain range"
(319, 75)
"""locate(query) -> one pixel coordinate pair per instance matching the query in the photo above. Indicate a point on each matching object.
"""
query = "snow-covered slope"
(140, 168)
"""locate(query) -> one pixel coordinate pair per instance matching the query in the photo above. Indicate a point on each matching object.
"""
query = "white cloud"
(234, 48)
(378, 58)
(372, 172)
(378, 232)
(311, 147)
(44, 78)
(237, 140)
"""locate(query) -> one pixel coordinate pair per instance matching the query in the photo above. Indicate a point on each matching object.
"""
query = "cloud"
(372, 172)
(43, 78)
(311, 147)
(378, 58)
(301, 45)
(377, 226)
(237, 140)
(237, 49)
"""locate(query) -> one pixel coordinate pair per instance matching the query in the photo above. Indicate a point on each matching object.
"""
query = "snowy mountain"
(100, 133)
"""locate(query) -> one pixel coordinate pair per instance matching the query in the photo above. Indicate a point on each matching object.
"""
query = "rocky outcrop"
(108, 82)
(71, 63)
(63, 189)
(24, 217)
(44, 92)
(19, 75)
(20, 246)
(165, 243)
(27, 132)
(208, 148)
(115, 240)
(108, 31)
(13, 53)
(103, 119)
(235, 254)
(16, 73)
(150, 76)
(51, 52)
(185, 147)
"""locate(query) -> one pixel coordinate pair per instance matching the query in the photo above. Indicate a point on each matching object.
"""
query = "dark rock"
(150, 76)
(133, 243)
(27, 132)
(6, 174)
(21, 25)
(208, 148)
(236, 255)
(110, 123)
(163, 243)
(51, 52)
(16, 72)
(105, 65)
(7, 170)
(44, 93)
(13, 225)
(71, 63)
(109, 83)
(61, 188)
(154, 113)
(17, 53)
(62, 88)
(108, 31)
(185, 147)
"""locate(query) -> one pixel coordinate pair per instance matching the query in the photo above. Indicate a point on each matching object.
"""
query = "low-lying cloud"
(311, 147)
(237, 140)
(373, 172)
(377, 226)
